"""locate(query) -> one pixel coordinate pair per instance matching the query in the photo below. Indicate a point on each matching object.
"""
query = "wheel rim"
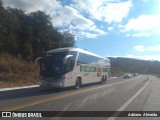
(77, 84)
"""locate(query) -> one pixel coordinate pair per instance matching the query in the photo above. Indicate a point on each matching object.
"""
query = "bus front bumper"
(59, 84)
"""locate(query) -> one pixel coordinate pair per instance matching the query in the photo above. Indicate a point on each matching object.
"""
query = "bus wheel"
(103, 81)
(78, 83)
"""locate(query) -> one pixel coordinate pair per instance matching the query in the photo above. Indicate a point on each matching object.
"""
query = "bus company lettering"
(89, 69)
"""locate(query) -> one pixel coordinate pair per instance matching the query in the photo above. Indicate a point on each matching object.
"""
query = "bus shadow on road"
(37, 91)
(27, 92)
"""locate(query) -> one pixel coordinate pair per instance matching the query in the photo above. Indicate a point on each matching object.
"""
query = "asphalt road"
(140, 93)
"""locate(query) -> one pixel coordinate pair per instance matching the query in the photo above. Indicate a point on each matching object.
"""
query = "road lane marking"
(124, 106)
(65, 108)
(57, 97)
(82, 103)
(104, 92)
(95, 97)
(61, 113)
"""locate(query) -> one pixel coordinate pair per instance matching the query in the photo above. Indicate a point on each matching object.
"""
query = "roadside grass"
(158, 75)
(116, 72)
(16, 72)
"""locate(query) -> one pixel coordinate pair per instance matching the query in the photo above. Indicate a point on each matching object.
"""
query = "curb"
(15, 88)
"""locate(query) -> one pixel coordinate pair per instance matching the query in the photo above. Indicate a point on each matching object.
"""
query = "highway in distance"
(140, 93)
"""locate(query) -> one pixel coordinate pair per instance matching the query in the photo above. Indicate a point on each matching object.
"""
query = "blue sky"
(117, 28)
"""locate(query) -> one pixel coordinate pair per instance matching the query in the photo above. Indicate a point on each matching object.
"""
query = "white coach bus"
(64, 67)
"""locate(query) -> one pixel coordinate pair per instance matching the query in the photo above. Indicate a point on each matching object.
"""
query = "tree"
(3, 29)
(68, 39)
(135, 66)
(29, 35)
(42, 31)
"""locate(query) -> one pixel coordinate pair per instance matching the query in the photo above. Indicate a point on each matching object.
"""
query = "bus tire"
(103, 81)
(78, 83)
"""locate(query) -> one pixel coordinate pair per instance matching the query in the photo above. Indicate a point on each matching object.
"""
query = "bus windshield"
(53, 64)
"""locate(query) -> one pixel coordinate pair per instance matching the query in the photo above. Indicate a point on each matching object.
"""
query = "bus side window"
(81, 59)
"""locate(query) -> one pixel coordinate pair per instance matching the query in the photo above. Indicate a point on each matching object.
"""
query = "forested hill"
(23, 38)
(121, 65)
(29, 35)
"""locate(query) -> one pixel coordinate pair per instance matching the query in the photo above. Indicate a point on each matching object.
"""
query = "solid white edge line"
(123, 107)
(15, 88)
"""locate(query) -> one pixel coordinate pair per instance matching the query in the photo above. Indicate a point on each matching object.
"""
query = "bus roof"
(73, 49)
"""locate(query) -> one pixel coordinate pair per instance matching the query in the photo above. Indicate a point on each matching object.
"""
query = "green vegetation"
(23, 38)
(116, 72)
(29, 35)
(123, 65)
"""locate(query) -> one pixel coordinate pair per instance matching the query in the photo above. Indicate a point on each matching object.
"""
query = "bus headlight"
(63, 77)
(41, 77)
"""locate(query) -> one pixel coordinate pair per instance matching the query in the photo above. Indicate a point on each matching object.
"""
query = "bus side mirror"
(38, 60)
(66, 57)
(78, 63)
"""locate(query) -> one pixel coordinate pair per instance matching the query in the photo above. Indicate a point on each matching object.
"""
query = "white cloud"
(142, 48)
(120, 26)
(141, 34)
(144, 23)
(157, 32)
(153, 48)
(62, 15)
(93, 28)
(143, 57)
(101, 26)
(104, 10)
(139, 48)
(110, 28)
(90, 32)
(128, 34)
(70, 16)
(146, 0)
(87, 34)
(33, 5)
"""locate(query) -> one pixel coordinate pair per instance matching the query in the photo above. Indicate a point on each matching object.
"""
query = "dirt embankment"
(16, 72)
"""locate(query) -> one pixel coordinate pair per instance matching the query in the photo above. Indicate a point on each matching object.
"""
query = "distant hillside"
(123, 65)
